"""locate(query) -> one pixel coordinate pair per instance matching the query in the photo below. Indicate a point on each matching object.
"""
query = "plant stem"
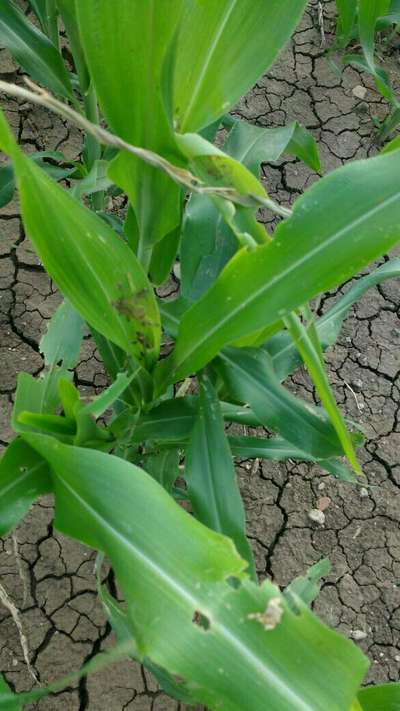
(144, 255)
(52, 23)
(179, 175)
(92, 146)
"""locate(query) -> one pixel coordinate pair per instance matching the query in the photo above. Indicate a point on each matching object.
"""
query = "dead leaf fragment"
(272, 615)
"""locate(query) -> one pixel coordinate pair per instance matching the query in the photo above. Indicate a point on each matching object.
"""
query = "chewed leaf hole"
(235, 583)
(201, 621)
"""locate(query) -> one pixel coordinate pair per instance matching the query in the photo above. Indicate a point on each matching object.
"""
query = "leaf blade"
(211, 477)
(257, 288)
(33, 50)
(166, 587)
(94, 268)
(226, 38)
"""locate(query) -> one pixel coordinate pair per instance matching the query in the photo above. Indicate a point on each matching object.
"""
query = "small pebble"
(317, 516)
(321, 486)
(358, 635)
(362, 108)
(359, 92)
(323, 503)
(397, 658)
(357, 385)
(363, 492)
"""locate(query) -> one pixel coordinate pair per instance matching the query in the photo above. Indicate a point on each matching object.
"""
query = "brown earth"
(51, 579)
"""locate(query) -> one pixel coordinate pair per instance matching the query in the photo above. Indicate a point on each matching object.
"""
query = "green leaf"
(163, 256)
(393, 145)
(211, 478)
(185, 614)
(36, 395)
(95, 181)
(127, 69)
(98, 405)
(284, 354)
(63, 338)
(98, 662)
(252, 145)
(393, 14)
(385, 697)
(249, 377)
(39, 8)
(171, 424)
(68, 13)
(116, 361)
(207, 245)
(216, 169)
(311, 253)
(311, 357)
(347, 10)
(308, 587)
(173, 420)
(119, 620)
(54, 425)
(7, 185)
(163, 466)
(278, 449)
(24, 475)
(368, 14)
(235, 41)
(274, 449)
(7, 179)
(33, 50)
(93, 267)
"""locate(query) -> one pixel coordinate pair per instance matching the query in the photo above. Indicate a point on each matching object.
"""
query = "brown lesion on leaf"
(201, 620)
(272, 615)
(132, 307)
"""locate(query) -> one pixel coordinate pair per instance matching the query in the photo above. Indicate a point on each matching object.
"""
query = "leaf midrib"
(16, 482)
(26, 48)
(218, 627)
(388, 271)
(254, 382)
(207, 60)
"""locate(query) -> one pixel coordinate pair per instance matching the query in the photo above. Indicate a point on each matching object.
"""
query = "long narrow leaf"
(250, 379)
(347, 10)
(33, 50)
(173, 420)
(24, 475)
(385, 697)
(63, 338)
(67, 10)
(316, 369)
(189, 620)
(253, 145)
(236, 40)
(211, 477)
(339, 225)
(284, 354)
(127, 68)
(92, 266)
